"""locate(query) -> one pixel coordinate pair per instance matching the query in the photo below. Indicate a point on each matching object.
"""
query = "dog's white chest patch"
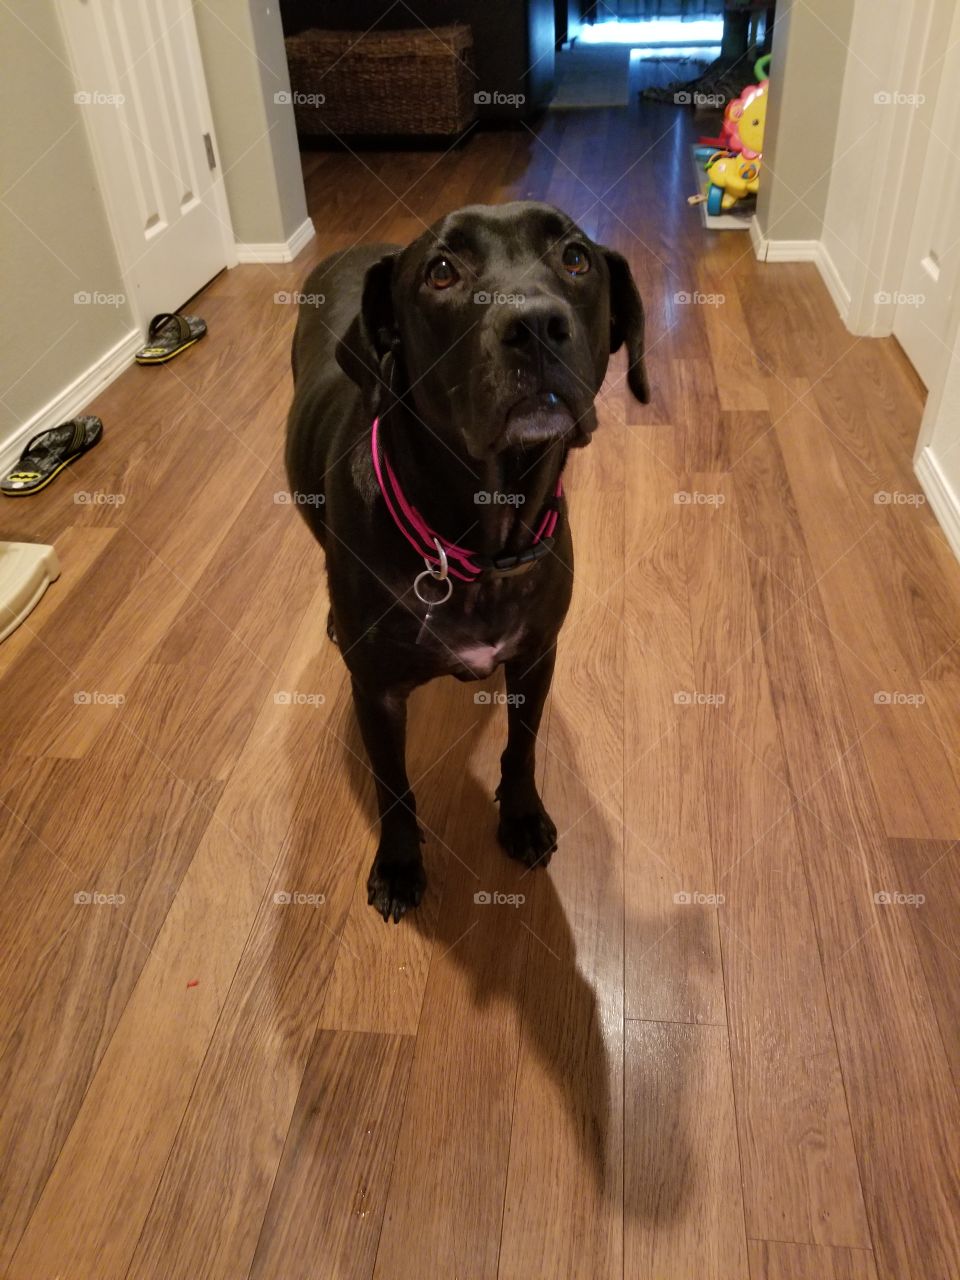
(482, 659)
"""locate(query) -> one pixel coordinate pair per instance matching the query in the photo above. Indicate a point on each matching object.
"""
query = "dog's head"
(496, 327)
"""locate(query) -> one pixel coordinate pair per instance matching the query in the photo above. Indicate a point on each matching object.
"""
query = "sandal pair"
(50, 451)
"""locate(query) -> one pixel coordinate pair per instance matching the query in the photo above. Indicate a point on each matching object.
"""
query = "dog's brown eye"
(575, 259)
(441, 274)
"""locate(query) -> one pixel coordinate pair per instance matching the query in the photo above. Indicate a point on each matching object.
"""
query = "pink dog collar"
(461, 563)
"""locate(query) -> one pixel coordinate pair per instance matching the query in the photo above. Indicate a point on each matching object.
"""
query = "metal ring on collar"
(441, 574)
(428, 573)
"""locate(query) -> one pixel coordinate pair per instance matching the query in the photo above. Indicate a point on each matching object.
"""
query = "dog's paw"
(394, 888)
(527, 832)
(331, 630)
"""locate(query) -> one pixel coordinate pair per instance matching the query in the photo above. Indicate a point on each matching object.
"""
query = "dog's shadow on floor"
(525, 955)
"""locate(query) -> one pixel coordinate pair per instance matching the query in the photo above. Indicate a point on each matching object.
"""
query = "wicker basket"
(383, 82)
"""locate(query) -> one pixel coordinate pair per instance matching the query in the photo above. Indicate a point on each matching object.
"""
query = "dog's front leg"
(526, 830)
(397, 880)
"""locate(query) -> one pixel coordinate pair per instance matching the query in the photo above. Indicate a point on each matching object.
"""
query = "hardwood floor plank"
(902, 1101)
(196, 702)
(942, 693)
(931, 870)
(90, 653)
(380, 975)
(241, 1107)
(147, 415)
(130, 1114)
(61, 1019)
(767, 518)
(917, 793)
(672, 968)
(140, 584)
(866, 402)
(692, 403)
(445, 1204)
(328, 1199)
(924, 582)
(77, 827)
(921, 575)
(683, 1206)
(800, 1174)
(771, 1260)
(77, 547)
(737, 370)
(675, 329)
(568, 1113)
(794, 290)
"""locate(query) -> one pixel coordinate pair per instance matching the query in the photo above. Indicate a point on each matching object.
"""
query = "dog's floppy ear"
(362, 350)
(626, 322)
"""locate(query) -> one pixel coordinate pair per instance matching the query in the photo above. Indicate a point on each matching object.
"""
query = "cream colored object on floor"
(26, 570)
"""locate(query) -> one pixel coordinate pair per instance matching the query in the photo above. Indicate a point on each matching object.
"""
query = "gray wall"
(241, 42)
(806, 81)
(54, 233)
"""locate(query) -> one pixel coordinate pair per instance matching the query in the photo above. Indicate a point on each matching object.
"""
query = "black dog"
(472, 360)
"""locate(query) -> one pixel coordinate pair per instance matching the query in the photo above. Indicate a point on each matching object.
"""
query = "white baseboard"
(832, 279)
(782, 250)
(282, 251)
(757, 240)
(793, 250)
(67, 403)
(803, 251)
(943, 498)
(301, 237)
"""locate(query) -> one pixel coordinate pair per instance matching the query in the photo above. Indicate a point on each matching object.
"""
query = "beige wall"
(54, 234)
(274, 78)
(245, 63)
(807, 71)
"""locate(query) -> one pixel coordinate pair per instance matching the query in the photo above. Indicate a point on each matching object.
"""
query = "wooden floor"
(703, 1047)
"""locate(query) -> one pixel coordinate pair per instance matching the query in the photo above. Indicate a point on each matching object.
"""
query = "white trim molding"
(282, 250)
(834, 281)
(769, 250)
(757, 240)
(943, 498)
(803, 251)
(67, 403)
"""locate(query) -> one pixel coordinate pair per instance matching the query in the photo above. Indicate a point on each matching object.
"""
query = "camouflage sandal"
(168, 335)
(48, 453)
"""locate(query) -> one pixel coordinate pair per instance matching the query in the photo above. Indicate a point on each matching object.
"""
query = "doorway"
(923, 305)
(143, 97)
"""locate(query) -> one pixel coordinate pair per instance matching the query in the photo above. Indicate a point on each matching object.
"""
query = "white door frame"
(91, 66)
(900, 142)
(940, 436)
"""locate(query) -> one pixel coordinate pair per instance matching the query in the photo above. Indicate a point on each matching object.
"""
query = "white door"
(930, 276)
(142, 94)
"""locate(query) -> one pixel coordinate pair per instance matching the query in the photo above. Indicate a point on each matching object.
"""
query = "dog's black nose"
(538, 321)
